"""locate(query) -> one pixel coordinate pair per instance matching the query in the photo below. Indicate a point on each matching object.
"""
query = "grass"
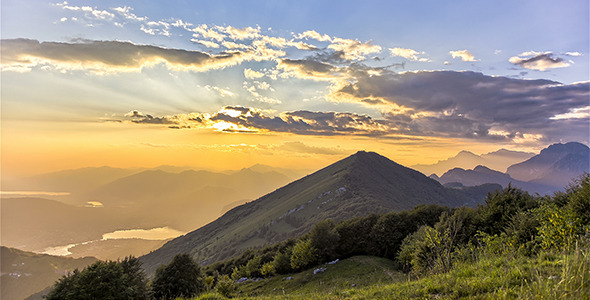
(547, 276)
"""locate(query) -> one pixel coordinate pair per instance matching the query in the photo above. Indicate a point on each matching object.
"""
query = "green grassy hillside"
(547, 276)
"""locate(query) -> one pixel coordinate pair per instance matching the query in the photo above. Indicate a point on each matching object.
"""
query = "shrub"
(225, 286)
(304, 255)
(103, 280)
(181, 278)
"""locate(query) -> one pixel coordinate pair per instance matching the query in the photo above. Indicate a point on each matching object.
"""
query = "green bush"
(304, 255)
(103, 280)
(181, 278)
(225, 286)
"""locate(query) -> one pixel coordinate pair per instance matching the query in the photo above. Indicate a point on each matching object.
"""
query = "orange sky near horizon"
(35, 147)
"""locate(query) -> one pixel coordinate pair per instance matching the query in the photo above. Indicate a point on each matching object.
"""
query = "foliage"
(559, 226)
(180, 278)
(304, 255)
(252, 268)
(324, 239)
(501, 206)
(282, 263)
(225, 286)
(103, 280)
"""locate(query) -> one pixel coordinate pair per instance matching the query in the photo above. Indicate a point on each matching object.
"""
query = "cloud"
(308, 69)
(312, 34)
(353, 49)
(469, 104)
(220, 91)
(140, 118)
(538, 61)
(125, 11)
(575, 113)
(251, 74)
(207, 44)
(409, 54)
(111, 56)
(239, 119)
(463, 55)
(575, 54)
(300, 147)
(89, 12)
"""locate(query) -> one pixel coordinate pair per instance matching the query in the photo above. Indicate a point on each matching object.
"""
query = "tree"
(181, 278)
(282, 263)
(502, 206)
(304, 255)
(389, 232)
(324, 239)
(103, 280)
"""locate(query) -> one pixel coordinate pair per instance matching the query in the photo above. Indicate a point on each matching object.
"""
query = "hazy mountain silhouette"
(185, 200)
(497, 160)
(481, 175)
(556, 165)
(26, 273)
(360, 184)
(71, 181)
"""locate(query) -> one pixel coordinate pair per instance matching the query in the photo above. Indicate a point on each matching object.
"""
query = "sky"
(298, 84)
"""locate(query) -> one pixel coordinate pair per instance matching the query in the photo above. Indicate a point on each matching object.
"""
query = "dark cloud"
(539, 61)
(250, 120)
(111, 54)
(140, 118)
(303, 122)
(471, 104)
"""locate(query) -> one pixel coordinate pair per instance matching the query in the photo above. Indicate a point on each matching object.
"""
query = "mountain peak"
(567, 147)
(357, 185)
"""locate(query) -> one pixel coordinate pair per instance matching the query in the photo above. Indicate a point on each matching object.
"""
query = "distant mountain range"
(481, 175)
(25, 273)
(555, 165)
(146, 199)
(361, 184)
(551, 170)
(497, 160)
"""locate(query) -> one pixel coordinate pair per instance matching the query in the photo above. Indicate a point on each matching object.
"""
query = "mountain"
(500, 160)
(555, 165)
(482, 175)
(25, 273)
(358, 185)
(70, 181)
(497, 160)
(185, 200)
(34, 224)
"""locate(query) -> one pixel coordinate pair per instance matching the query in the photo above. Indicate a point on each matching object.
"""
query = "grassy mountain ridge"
(361, 184)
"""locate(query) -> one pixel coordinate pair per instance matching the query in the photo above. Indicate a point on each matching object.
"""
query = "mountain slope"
(355, 186)
(26, 273)
(556, 165)
(482, 175)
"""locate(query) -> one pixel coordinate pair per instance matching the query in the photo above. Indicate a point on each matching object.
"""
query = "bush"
(181, 278)
(282, 263)
(304, 255)
(324, 239)
(103, 280)
(225, 286)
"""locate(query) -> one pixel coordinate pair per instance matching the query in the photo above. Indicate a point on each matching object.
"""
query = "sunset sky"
(298, 84)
